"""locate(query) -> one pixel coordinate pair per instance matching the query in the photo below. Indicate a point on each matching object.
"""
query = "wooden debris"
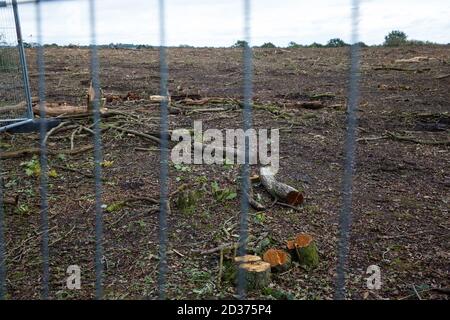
(203, 101)
(256, 275)
(222, 247)
(304, 250)
(442, 76)
(326, 95)
(136, 133)
(310, 104)
(413, 60)
(393, 68)
(256, 271)
(248, 258)
(91, 99)
(279, 260)
(398, 137)
(53, 109)
(33, 151)
(157, 98)
(278, 189)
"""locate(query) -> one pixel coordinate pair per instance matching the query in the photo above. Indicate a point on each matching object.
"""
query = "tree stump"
(256, 274)
(279, 260)
(256, 271)
(304, 250)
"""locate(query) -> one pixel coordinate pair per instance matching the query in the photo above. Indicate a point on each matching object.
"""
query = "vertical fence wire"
(345, 216)
(23, 61)
(164, 165)
(97, 156)
(2, 218)
(2, 239)
(247, 124)
(43, 184)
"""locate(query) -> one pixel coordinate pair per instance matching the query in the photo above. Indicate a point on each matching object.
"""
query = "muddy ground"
(401, 186)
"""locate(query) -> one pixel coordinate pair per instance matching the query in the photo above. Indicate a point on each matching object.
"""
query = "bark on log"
(256, 271)
(278, 189)
(304, 250)
(56, 109)
(256, 275)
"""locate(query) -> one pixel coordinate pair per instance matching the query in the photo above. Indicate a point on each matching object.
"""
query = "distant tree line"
(395, 38)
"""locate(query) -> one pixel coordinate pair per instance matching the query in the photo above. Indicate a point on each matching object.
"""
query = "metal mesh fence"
(13, 91)
(13, 87)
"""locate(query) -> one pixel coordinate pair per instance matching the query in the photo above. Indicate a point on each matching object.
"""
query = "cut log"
(248, 258)
(278, 189)
(256, 275)
(58, 109)
(304, 250)
(279, 260)
(157, 98)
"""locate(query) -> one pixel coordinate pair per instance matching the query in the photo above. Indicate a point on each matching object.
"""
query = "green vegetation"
(395, 38)
(222, 194)
(294, 45)
(32, 167)
(315, 45)
(268, 45)
(240, 44)
(336, 43)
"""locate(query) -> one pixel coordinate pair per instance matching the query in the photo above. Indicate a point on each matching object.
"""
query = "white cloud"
(220, 22)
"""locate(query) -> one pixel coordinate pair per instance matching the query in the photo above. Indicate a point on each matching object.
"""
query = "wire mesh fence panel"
(13, 97)
(15, 104)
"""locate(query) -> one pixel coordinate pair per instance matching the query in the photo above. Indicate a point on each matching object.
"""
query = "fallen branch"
(53, 130)
(410, 139)
(278, 189)
(442, 76)
(391, 68)
(136, 133)
(225, 246)
(413, 60)
(36, 151)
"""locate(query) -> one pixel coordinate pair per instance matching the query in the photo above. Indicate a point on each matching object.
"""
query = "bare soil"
(401, 187)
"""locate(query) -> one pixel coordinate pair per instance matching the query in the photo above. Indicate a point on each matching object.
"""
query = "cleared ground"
(401, 185)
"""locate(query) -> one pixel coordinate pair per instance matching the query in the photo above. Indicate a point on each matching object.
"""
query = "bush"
(268, 45)
(315, 45)
(240, 44)
(395, 38)
(336, 43)
(293, 44)
(185, 46)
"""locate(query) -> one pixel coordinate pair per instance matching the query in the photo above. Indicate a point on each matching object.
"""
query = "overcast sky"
(220, 22)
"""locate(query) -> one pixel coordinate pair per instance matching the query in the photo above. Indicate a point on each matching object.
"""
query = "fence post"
(23, 61)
